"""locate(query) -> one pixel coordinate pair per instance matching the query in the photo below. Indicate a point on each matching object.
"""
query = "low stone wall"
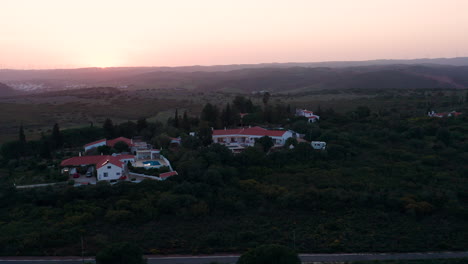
(39, 185)
(144, 175)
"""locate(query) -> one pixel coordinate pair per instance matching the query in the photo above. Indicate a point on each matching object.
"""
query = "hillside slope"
(6, 90)
(307, 79)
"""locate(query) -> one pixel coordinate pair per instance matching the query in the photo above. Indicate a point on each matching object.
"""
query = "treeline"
(385, 183)
(156, 133)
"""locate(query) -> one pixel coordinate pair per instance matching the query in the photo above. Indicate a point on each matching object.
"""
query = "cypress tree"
(108, 127)
(57, 136)
(176, 118)
(185, 122)
(22, 137)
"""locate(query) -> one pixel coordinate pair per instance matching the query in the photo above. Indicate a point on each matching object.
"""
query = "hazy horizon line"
(231, 64)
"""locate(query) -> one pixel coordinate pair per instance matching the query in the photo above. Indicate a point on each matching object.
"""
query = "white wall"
(276, 140)
(132, 161)
(113, 172)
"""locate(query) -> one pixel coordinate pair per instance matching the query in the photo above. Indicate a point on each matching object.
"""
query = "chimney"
(224, 128)
(79, 154)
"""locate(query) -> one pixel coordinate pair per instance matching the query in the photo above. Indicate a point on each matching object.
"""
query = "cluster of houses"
(115, 167)
(443, 114)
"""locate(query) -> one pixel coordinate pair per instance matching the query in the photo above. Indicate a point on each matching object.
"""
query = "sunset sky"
(102, 33)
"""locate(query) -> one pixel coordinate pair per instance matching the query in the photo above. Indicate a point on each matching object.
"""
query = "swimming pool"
(151, 163)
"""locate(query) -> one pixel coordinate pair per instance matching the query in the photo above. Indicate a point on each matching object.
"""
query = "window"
(108, 167)
(105, 174)
(117, 173)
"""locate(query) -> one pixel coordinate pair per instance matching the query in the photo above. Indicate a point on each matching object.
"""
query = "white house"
(311, 117)
(110, 169)
(318, 145)
(148, 154)
(107, 167)
(125, 158)
(240, 138)
(445, 114)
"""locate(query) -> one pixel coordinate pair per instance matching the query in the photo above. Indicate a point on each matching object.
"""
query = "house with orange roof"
(239, 138)
(311, 117)
(443, 114)
(111, 143)
(107, 167)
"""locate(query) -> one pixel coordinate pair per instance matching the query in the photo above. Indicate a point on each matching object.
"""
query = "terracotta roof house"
(107, 167)
(110, 143)
(444, 114)
(239, 138)
(311, 117)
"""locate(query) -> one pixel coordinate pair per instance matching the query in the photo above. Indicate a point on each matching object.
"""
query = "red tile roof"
(99, 161)
(111, 160)
(252, 131)
(313, 117)
(84, 160)
(168, 174)
(112, 142)
(95, 142)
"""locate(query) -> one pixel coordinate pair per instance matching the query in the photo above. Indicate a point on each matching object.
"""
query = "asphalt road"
(230, 259)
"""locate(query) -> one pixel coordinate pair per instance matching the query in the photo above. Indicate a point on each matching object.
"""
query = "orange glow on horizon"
(114, 33)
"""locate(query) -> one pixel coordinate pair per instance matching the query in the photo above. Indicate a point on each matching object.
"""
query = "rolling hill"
(300, 79)
(281, 77)
(6, 90)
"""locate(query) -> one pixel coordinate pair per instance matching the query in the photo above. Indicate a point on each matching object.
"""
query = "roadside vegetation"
(425, 261)
(390, 180)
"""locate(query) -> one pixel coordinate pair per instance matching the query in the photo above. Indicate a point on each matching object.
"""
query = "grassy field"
(71, 109)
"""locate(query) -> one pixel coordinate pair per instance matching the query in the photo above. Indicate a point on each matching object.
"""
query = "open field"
(83, 107)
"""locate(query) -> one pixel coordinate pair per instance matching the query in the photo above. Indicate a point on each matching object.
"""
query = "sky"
(110, 33)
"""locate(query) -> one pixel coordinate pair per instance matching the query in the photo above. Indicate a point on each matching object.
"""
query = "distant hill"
(300, 79)
(97, 74)
(275, 77)
(6, 90)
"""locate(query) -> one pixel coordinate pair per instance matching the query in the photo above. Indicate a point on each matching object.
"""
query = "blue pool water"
(151, 163)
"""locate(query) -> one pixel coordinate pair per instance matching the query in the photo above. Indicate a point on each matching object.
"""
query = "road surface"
(230, 259)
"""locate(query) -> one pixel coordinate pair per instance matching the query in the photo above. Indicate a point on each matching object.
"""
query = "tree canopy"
(120, 253)
(270, 254)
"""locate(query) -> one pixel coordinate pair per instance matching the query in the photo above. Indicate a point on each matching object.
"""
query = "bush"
(269, 254)
(120, 253)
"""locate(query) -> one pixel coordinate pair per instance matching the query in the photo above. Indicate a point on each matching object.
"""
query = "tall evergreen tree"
(109, 130)
(227, 116)
(205, 134)
(266, 98)
(22, 137)
(185, 122)
(141, 124)
(210, 113)
(57, 137)
(176, 118)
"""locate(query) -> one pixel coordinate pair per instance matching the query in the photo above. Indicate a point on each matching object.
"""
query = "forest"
(389, 181)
